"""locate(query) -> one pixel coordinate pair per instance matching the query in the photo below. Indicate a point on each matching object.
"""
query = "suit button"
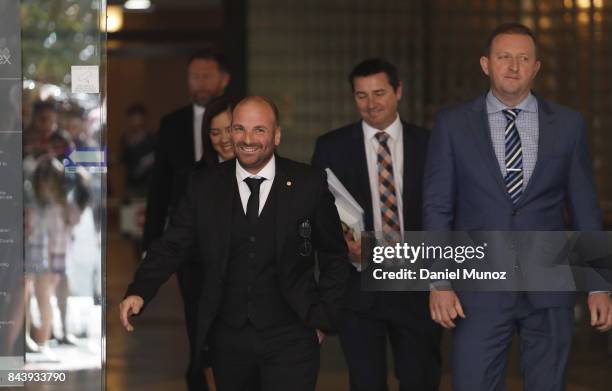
(252, 239)
(514, 212)
(251, 255)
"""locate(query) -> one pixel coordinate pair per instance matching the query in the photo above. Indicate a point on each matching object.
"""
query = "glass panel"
(51, 245)
(11, 245)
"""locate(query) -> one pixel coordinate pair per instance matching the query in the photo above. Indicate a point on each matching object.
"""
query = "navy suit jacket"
(343, 151)
(464, 189)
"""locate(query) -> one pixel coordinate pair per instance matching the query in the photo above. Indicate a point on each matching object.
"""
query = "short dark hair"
(61, 135)
(510, 28)
(207, 54)
(73, 110)
(215, 107)
(44, 105)
(372, 66)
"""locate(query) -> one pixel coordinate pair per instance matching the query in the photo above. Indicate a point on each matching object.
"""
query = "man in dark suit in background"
(179, 146)
(380, 160)
(257, 237)
(510, 161)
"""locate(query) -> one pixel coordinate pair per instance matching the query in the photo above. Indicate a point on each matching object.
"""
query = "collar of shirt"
(392, 130)
(198, 117)
(494, 105)
(198, 110)
(268, 172)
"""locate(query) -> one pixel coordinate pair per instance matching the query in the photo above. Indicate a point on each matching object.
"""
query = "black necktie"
(252, 211)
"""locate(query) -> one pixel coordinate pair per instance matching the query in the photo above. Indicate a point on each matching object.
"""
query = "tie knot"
(382, 137)
(511, 114)
(254, 183)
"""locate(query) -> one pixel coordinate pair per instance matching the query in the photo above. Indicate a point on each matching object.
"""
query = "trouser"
(415, 345)
(275, 359)
(190, 285)
(482, 340)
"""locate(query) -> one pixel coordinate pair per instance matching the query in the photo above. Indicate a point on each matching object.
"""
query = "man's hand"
(320, 336)
(444, 306)
(131, 305)
(354, 247)
(600, 306)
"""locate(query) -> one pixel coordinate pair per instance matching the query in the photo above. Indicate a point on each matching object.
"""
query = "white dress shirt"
(268, 173)
(396, 146)
(198, 115)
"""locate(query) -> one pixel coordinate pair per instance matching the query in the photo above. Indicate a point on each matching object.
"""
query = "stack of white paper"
(350, 212)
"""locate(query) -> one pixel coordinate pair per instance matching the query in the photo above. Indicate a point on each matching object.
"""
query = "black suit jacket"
(343, 151)
(203, 218)
(174, 160)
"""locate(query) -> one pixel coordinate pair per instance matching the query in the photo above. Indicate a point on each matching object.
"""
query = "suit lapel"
(546, 142)
(223, 203)
(363, 195)
(481, 135)
(283, 188)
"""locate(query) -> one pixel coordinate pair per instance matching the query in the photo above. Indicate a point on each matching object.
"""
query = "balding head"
(261, 101)
(255, 132)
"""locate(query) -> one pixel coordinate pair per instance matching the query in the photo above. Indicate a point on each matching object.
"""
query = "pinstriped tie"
(386, 188)
(514, 156)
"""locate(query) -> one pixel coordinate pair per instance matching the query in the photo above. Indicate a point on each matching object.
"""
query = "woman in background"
(216, 127)
(51, 223)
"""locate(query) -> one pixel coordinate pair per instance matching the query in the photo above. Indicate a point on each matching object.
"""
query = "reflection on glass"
(62, 199)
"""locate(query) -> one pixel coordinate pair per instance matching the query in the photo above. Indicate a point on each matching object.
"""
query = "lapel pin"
(289, 183)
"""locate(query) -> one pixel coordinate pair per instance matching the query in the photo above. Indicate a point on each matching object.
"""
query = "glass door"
(52, 193)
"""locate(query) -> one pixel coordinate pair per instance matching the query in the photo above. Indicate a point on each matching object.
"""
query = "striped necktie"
(514, 156)
(386, 188)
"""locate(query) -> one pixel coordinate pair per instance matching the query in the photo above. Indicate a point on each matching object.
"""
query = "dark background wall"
(300, 53)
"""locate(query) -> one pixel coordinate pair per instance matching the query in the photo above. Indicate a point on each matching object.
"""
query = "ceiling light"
(137, 4)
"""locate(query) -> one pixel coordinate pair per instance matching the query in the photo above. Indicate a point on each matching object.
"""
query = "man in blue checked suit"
(510, 161)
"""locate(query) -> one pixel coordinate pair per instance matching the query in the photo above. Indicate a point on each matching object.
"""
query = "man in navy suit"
(510, 161)
(380, 160)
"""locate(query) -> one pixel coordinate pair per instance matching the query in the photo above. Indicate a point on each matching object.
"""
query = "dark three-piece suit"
(260, 303)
